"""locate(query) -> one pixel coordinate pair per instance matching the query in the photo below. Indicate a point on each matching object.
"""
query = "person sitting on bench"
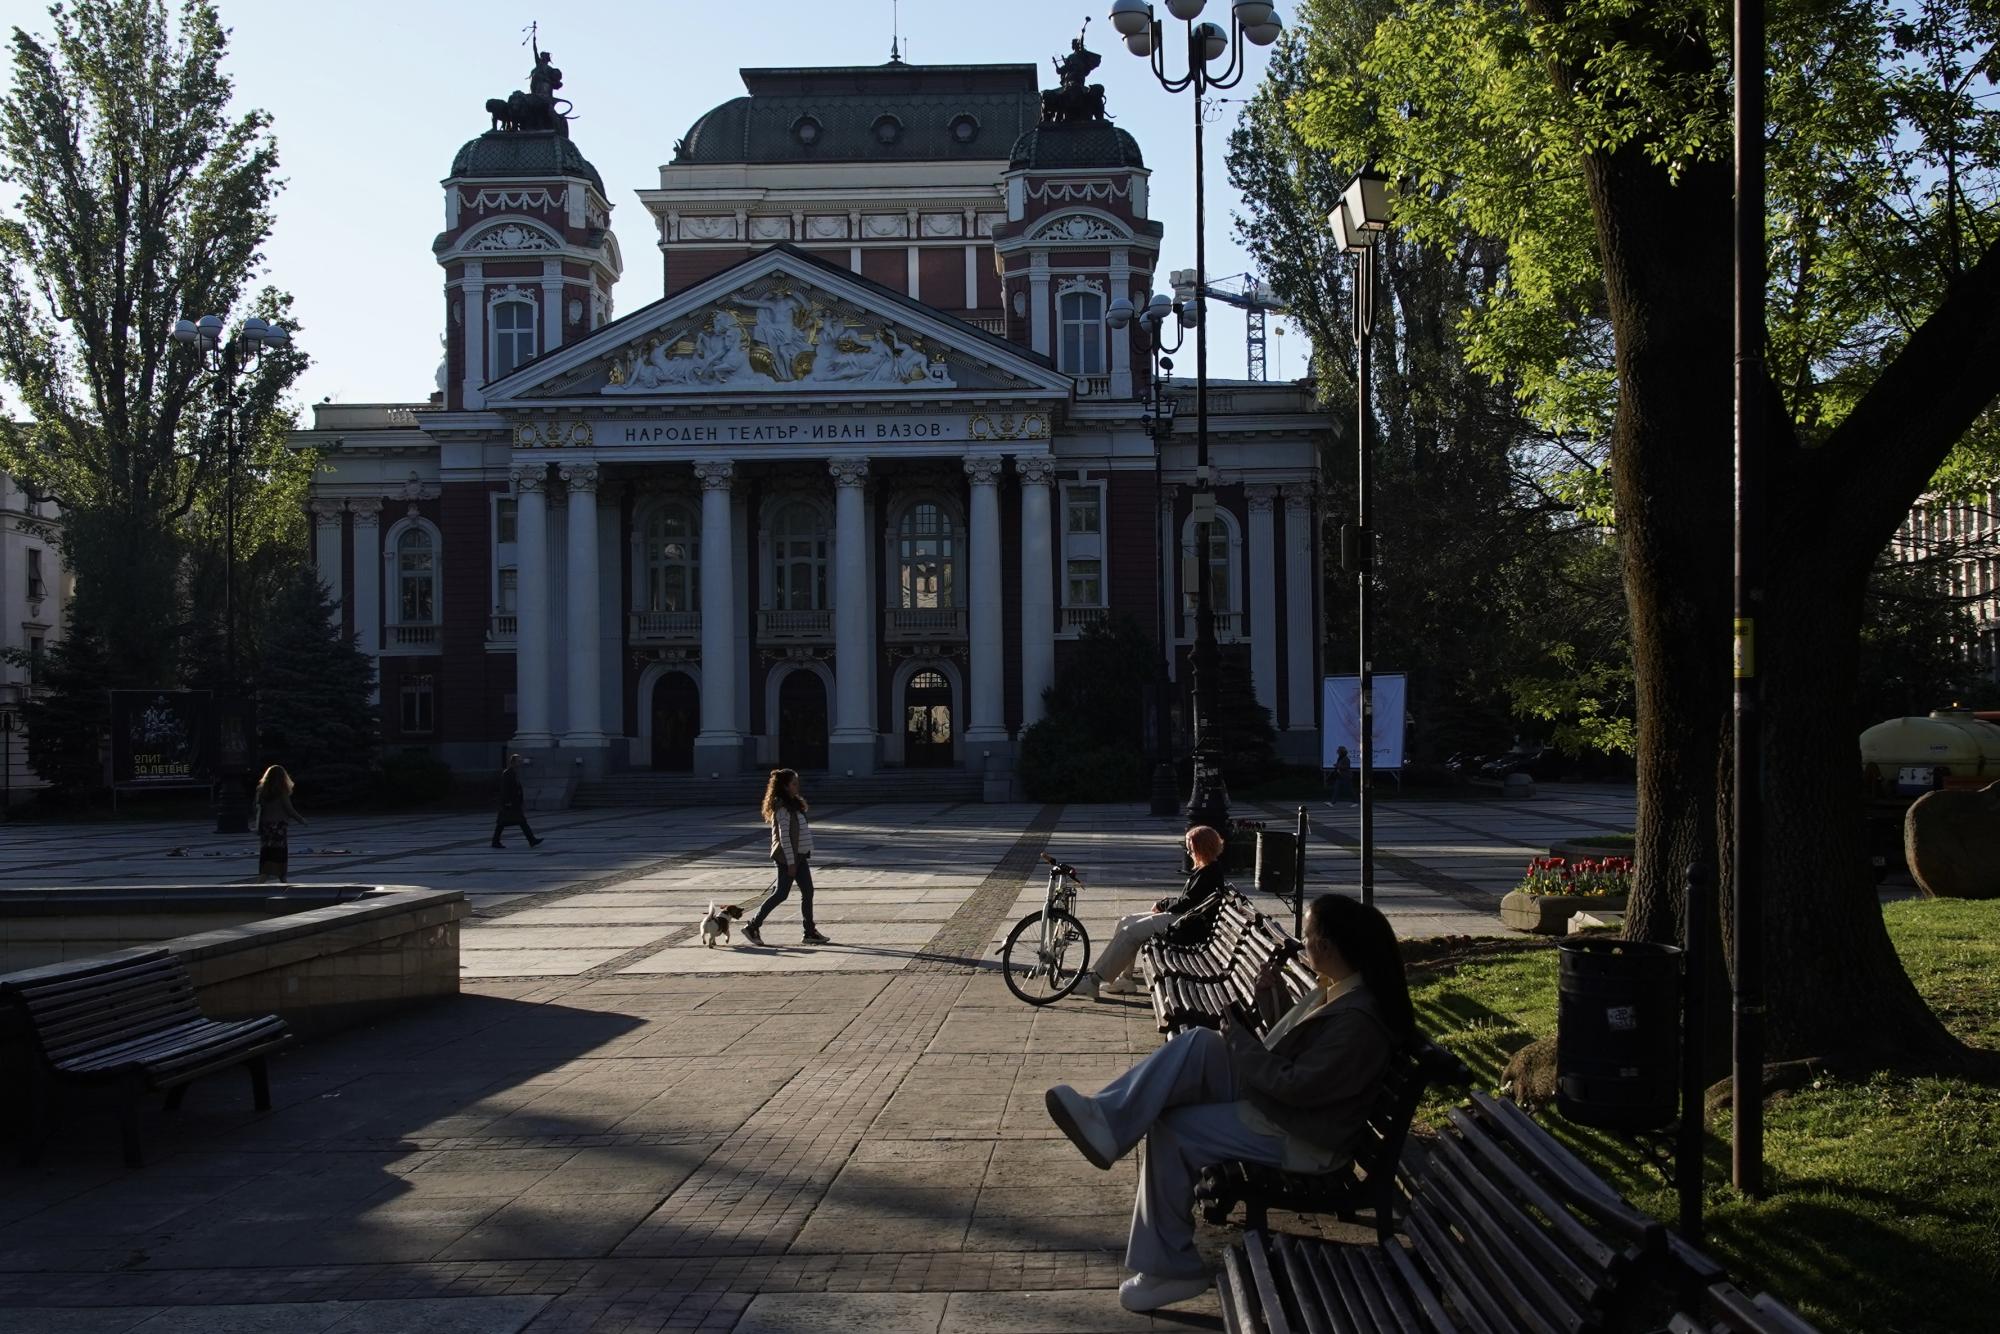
(1114, 965)
(1296, 1100)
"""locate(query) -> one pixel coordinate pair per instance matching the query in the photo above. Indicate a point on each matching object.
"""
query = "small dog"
(715, 923)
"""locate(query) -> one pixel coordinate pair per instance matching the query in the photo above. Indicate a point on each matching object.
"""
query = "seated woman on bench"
(1114, 965)
(1295, 1100)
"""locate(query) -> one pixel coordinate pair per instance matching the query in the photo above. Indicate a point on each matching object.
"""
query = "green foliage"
(1885, 1191)
(413, 778)
(1089, 744)
(1911, 655)
(1589, 704)
(314, 715)
(69, 719)
(1241, 731)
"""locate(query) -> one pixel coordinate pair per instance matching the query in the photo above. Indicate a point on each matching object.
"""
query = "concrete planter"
(1549, 914)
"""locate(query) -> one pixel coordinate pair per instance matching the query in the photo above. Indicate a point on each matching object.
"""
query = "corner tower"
(527, 251)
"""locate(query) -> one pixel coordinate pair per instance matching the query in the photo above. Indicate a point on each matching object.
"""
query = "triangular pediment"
(784, 324)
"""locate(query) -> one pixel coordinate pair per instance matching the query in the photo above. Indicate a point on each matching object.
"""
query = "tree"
(315, 714)
(1090, 742)
(1241, 727)
(137, 198)
(1593, 137)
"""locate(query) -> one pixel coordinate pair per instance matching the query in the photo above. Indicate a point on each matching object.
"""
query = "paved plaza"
(616, 1129)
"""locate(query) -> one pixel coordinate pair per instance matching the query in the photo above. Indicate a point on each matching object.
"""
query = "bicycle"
(1047, 952)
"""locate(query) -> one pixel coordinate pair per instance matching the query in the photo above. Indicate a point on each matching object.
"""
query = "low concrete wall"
(322, 968)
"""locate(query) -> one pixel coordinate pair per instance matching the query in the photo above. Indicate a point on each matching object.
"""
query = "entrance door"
(801, 721)
(927, 722)
(676, 719)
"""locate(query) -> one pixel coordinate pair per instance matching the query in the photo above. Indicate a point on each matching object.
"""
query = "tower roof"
(518, 153)
(867, 113)
(1091, 144)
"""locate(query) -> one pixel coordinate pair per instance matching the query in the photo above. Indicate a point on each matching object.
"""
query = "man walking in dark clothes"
(513, 804)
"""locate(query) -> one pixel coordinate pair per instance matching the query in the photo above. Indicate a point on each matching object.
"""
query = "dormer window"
(806, 129)
(887, 129)
(964, 128)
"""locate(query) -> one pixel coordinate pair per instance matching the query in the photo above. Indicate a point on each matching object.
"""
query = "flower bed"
(1555, 888)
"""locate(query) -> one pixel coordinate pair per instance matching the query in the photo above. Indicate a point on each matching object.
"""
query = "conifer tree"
(314, 714)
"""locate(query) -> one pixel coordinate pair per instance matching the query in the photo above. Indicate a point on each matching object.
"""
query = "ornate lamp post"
(231, 356)
(1158, 414)
(1362, 216)
(1215, 59)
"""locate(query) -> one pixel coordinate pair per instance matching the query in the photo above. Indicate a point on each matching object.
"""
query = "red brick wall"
(468, 700)
(891, 268)
(941, 278)
(685, 268)
(1132, 546)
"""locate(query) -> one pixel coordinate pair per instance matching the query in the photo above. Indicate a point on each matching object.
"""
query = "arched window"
(1224, 549)
(1080, 331)
(672, 561)
(798, 559)
(926, 558)
(513, 335)
(416, 577)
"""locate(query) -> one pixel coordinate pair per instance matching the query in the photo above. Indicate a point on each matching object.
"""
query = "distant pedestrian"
(513, 803)
(1343, 775)
(274, 816)
(791, 848)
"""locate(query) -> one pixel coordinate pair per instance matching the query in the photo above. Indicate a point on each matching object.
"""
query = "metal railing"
(1075, 619)
(412, 636)
(665, 627)
(815, 626)
(926, 623)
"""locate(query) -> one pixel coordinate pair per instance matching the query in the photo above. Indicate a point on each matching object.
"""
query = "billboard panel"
(1341, 701)
(160, 737)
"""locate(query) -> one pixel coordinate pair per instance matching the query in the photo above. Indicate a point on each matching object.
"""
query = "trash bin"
(1277, 857)
(1618, 1021)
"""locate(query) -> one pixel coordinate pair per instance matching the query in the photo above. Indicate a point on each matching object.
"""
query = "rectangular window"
(1084, 509)
(418, 707)
(504, 516)
(513, 335)
(1086, 583)
(1080, 320)
(510, 591)
(37, 590)
(34, 660)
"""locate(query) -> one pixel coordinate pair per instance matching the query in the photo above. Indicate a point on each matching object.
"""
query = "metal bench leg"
(174, 1096)
(260, 1084)
(1255, 1217)
(128, 1127)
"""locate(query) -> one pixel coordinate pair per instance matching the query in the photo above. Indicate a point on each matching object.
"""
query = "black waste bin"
(1618, 1024)
(1277, 855)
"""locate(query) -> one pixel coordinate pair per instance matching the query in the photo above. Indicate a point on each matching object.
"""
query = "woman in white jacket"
(791, 848)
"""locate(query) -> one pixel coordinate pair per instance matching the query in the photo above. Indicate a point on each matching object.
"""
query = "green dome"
(515, 153)
(1092, 144)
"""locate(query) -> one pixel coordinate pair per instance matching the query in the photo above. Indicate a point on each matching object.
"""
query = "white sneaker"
(1083, 1121)
(1149, 1292)
(1122, 985)
(1087, 986)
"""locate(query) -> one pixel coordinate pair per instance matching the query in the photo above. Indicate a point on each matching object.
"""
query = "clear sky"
(371, 99)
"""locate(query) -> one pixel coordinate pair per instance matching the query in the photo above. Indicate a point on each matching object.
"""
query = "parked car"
(1543, 763)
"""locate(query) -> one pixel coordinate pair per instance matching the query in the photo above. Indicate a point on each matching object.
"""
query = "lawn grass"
(1883, 1215)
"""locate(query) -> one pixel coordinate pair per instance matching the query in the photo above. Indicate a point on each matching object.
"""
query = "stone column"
(1119, 363)
(586, 720)
(1301, 625)
(1263, 544)
(718, 748)
(989, 696)
(472, 295)
(326, 548)
(552, 305)
(1038, 609)
(1039, 319)
(531, 641)
(368, 580)
(853, 741)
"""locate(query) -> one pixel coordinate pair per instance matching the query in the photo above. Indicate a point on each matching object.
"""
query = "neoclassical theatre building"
(841, 496)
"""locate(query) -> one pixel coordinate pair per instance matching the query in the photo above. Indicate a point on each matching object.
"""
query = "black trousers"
(802, 876)
(513, 818)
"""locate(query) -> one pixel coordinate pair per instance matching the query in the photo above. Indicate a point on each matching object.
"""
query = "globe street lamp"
(1157, 411)
(1215, 59)
(231, 356)
(1363, 214)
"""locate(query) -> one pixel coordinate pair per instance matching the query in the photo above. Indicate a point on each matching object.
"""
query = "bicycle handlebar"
(1063, 867)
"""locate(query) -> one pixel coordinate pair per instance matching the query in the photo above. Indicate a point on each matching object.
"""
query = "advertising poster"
(160, 737)
(1341, 696)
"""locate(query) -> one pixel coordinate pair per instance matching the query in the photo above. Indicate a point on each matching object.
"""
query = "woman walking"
(274, 813)
(791, 848)
(513, 804)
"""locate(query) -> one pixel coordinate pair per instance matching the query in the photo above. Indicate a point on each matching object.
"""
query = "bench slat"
(1586, 1189)
(1492, 1158)
(1481, 1246)
(1418, 1287)
(1475, 1308)
(191, 1049)
(1349, 1313)
(1520, 1230)
(1259, 1264)
(1292, 1265)
(1235, 1272)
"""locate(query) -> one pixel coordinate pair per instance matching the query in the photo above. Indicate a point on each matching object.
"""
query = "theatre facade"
(845, 495)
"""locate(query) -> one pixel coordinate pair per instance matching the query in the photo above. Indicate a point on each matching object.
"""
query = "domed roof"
(500, 153)
(1092, 144)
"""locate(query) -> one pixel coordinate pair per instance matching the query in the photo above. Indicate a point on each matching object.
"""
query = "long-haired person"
(1297, 1099)
(784, 809)
(1114, 965)
(275, 813)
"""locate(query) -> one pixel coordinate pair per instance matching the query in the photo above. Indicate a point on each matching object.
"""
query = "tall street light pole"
(1363, 214)
(231, 356)
(1251, 22)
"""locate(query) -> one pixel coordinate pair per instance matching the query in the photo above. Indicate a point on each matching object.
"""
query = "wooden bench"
(1730, 1312)
(1209, 961)
(124, 1027)
(1497, 1242)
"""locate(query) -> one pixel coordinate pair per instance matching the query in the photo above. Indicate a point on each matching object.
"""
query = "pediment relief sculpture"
(782, 337)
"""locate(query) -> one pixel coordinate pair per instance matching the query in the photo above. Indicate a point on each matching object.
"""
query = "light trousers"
(1181, 1099)
(1126, 938)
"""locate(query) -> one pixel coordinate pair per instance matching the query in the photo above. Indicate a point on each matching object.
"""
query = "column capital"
(579, 476)
(327, 511)
(367, 511)
(1170, 492)
(715, 474)
(848, 470)
(1261, 496)
(1035, 469)
(534, 479)
(984, 469)
(1298, 495)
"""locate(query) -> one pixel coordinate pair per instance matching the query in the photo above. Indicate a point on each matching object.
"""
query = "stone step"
(654, 789)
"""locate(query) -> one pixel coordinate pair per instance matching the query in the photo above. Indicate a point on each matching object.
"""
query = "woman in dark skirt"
(274, 814)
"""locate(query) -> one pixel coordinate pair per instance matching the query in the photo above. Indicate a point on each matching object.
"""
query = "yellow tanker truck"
(1906, 757)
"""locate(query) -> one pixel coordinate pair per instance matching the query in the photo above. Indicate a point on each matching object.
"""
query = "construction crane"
(1247, 292)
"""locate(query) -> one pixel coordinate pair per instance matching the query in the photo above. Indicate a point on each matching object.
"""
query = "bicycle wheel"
(1037, 973)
